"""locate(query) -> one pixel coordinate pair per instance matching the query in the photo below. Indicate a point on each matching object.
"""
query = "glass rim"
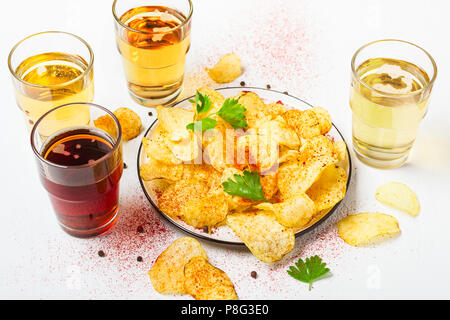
(88, 68)
(425, 88)
(106, 156)
(182, 24)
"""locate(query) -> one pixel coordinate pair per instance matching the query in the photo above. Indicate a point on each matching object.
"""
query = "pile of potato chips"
(300, 167)
(183, 268)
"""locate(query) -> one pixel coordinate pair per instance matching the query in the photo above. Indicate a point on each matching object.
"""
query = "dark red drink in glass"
(80, 167)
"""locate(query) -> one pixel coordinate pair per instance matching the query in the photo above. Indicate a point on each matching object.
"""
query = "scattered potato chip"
(329, 189)
(167, 274)
(227, 69)
(267, 239)
(209, 210)
(206, 282)
(107, 124)
(174, 121)
(399, 196)
(155, 169)
(291, 213)
(314, 157)
(130, 123)
(367, 228)
(176, 196)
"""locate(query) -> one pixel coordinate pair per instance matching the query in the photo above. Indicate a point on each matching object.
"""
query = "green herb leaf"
(233, 113)
(247, 186)
(202, 125)
(308, 271)
(202, 102)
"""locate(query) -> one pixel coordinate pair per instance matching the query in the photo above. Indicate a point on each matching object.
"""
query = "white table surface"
(303, 47)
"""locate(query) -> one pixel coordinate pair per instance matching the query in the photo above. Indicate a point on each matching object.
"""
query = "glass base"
(87, 233)
(381, 158)
(155, 102)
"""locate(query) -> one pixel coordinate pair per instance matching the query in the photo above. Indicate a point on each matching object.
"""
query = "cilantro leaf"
(233, 113)
(202, 102)
(247, 186)
(310, 270)
(202, 125)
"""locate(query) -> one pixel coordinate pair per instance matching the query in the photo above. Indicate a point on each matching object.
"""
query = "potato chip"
(155, 169)
(174, 121)
(329, 189)
(209, 210)
(256, 108)
(176, 196)
(314, 157)
(340, 149)
(279, 131)
(216, 98)
(107, 124)
(186, 150)
(274, 109)
(269, 185)
(206, 282)
(227, 69)
(309, 123)
(130, 123)
(157, 149)
(259, 150)
(291, 213)
(367, 228)
(267, 239)
(167, 274)
(399, 196)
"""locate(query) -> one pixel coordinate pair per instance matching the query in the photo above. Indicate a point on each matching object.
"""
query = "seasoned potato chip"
(155, 169)
(256, 108)
(267, 239)
(176, 196)
(174, 121)
(187, 150)
(209, 210)
(309, 123)
(157, 149)
(291, 213)
(279, 131)
(227, 69)
(340, 149)
(206, 282)
(130, 123)
(314, 157)
(366, 228)
(275, 109)
(262, 150)
(216, 98)
(329, 189)
(107, 124)
(167, 274)
(269, 185)
(399, 196)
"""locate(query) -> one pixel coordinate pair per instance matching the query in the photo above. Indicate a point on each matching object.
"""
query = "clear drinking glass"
(50, 69)
(80, 167)
(153, 38)
(390, 88)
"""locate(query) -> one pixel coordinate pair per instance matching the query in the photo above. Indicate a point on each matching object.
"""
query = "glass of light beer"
(390, 89)
(153, 38)
(50, 69)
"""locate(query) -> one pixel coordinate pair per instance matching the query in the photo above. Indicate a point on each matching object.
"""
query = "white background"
(303, 47)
